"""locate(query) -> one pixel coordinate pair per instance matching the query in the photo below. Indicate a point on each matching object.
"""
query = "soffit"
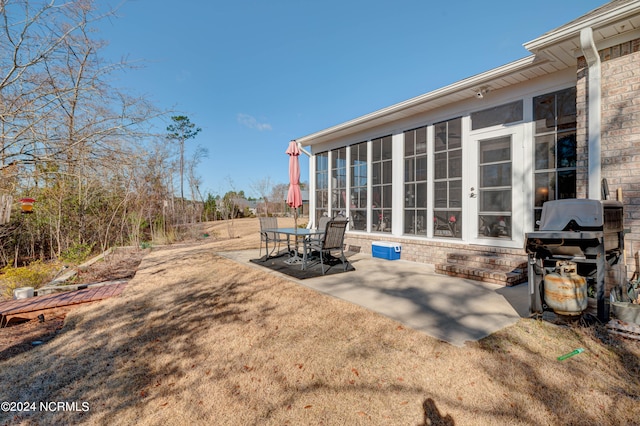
(612, 23)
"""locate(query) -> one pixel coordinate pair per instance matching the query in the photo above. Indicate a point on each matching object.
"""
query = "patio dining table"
(298, 233)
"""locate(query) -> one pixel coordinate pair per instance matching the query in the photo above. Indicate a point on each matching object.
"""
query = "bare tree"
(195, 181)
(279, 196)
(40, 42)
(65, 133)
(230, 205)
(263, 187)
(92, 129)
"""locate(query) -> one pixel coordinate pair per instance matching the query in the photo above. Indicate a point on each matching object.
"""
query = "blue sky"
(256, 74)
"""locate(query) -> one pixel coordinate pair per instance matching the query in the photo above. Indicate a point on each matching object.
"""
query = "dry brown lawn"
(199, 339)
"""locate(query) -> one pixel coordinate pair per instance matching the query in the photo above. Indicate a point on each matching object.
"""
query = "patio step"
(487, 267)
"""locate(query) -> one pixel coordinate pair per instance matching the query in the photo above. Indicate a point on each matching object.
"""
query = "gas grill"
(586, 233)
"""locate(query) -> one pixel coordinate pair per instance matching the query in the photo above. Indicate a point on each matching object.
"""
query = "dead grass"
(199, 339)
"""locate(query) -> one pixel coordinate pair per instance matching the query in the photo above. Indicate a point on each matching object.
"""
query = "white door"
(495, 187)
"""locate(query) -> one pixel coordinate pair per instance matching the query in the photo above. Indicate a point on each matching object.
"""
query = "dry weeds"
(199, 339)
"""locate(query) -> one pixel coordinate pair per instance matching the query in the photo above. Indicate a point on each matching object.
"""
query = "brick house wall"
(620, 134)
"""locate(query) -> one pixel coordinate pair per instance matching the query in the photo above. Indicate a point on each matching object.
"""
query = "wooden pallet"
(25, 309)
(625, 329)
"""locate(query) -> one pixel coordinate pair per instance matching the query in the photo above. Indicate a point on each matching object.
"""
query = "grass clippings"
(199, 339)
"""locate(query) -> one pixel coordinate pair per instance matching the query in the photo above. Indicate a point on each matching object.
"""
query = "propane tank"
(564, 290)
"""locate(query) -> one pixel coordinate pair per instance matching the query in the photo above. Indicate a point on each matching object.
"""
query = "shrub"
(77, 253)
(34, 275)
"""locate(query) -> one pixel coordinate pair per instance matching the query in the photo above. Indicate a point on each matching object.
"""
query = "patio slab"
(454, 310)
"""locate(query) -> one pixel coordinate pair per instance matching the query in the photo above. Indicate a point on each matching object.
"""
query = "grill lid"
(571, 215)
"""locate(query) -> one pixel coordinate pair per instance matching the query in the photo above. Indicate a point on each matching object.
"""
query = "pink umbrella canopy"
(294, 196)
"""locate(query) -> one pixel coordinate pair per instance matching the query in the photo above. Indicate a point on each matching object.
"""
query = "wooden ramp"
(25, 309)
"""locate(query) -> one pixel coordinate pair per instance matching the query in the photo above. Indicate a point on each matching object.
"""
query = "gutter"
(594, 113)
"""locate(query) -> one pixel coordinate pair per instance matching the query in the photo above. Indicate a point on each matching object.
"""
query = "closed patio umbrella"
(294, 196)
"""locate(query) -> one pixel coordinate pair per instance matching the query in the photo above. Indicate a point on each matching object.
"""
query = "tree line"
(85, 150)
(78, 145)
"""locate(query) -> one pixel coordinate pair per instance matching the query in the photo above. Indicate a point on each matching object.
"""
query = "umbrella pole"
(295, 259)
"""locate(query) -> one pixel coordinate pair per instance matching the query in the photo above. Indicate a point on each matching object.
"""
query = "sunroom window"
(358, 200)
(338, 181)
(555, 147)
(381, 189)
(501, 114)
(415, 181)
(447, 179)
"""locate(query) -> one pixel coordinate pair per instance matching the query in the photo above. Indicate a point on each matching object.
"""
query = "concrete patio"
(454, 310)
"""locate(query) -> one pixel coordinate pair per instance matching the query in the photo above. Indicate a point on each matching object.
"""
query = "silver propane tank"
(564, 290)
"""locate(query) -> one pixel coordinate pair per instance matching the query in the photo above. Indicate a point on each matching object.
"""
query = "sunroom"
(467, 171)
(466, 168)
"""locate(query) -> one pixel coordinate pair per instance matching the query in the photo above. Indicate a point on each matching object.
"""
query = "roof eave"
(573, 30)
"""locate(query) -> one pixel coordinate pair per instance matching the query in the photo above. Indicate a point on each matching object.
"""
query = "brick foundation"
(427, 251)
(481, 263)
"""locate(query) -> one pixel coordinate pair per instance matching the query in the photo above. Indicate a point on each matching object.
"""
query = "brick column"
(621, 134)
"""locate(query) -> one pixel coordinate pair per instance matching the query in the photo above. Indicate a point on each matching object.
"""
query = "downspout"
(594, 112)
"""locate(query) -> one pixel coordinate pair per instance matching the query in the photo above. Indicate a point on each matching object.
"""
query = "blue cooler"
(386, 250)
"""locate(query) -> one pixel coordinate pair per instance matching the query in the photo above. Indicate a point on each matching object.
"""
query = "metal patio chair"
(332, 240)
(269, 237)
(322, 224)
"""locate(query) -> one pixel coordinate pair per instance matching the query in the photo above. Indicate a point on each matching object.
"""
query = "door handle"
(472, 194)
